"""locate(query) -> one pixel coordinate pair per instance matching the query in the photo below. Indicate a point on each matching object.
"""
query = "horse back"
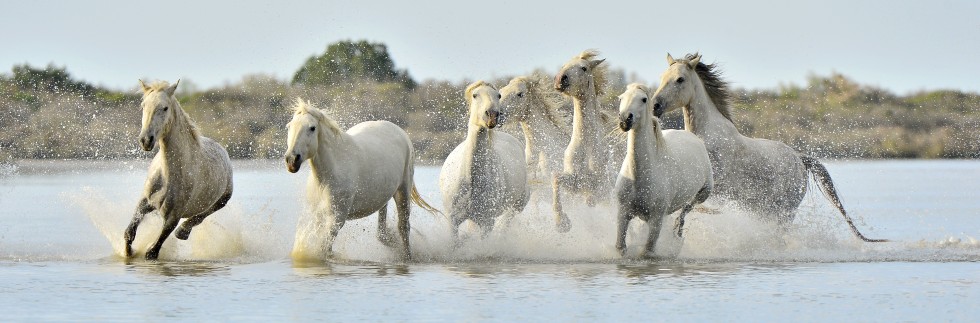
(381, 163)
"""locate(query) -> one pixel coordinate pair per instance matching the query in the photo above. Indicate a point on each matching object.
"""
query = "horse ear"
(694, 61)
(173, 88)
(143, 86)
(594, 63)
(670, 60)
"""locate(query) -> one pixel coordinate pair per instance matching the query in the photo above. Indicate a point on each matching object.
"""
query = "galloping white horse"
(762, 175)
(354, 173)
(583, 78)
(663, 171)
(531, 101)
(190, 176)
(484, 177)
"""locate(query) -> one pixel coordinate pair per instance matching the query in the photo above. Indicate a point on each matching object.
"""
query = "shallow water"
(61, 225)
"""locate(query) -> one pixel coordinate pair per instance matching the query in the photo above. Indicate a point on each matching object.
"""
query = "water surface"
(61, 225)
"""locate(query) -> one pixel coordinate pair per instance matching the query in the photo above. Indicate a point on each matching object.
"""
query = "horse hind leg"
(384, 234)
(142, 209)
(185, 228)
(699, 198)
(402, 203)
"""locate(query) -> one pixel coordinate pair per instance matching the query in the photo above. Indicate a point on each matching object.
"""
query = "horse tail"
(417, 198)
(822, 177)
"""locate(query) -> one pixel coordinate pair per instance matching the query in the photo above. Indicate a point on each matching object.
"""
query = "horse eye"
(585, 69)
(499, 96)
(474, 95)
(165, 108)
(313, 128)
(680, 80)
(644, 100)
(520, 94)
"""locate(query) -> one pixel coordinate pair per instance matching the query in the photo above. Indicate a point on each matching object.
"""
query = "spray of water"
(723, 233)
(231, 234)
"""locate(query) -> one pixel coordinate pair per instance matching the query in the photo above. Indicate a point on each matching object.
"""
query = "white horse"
(354, 173)
(765, 176)
(484, 177)
(583, 78)
(663, 171)
(190, 176)
(532, 102)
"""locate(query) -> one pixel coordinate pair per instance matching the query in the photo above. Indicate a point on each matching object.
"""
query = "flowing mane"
(304, 107)
(716, 87)
(182, 117)
(541, 94)
(598, 73)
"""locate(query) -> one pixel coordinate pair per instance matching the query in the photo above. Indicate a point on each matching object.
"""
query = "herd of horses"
(487, 178)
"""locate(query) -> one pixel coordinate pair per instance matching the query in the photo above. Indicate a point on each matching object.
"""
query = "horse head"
(634, 106)
(515, 99)
(576, 76)
(677, 84)
(302, 135)
(483, 101)
(159, 110)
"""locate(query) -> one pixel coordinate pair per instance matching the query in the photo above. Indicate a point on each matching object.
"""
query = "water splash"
(229, 234)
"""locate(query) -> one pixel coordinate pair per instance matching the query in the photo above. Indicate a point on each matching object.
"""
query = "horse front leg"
(142, 209)
(336, 223)
(562, 223)
(185, 228)
(622, 223)
(169, 224)
(653, 224)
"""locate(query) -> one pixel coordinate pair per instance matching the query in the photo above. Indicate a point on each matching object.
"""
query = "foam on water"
(724, 234)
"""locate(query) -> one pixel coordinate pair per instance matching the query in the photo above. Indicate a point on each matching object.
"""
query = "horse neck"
(332, 150)
(585, 121)
(702, 118)
(643, 147)
(479, 147)
(181, 143)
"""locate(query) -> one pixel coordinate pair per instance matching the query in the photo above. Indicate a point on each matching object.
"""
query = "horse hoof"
(182, 233)
(386, 239)
(564, 225)
(152, 256)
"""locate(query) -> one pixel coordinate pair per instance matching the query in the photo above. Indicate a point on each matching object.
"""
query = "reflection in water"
(342, 268)
(176, 269)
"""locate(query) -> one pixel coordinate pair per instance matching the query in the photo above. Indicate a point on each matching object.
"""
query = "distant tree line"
(46, 113)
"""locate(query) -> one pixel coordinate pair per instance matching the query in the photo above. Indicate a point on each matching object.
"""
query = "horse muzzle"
(147, 143)
(293, 162)
(658, 109)
(493, 119)
(626, 123)
(561, 83)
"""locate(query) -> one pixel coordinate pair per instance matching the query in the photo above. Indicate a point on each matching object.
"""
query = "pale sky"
(902, 46)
